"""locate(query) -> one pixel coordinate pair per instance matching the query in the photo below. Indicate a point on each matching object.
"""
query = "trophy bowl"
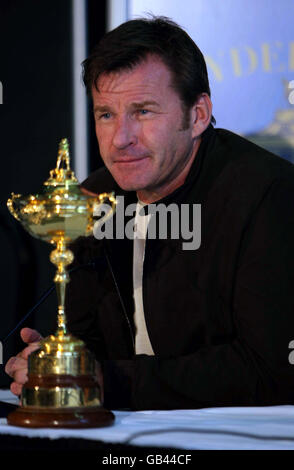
(62, 390)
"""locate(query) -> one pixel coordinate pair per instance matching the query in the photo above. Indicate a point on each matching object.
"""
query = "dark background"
(37, 111)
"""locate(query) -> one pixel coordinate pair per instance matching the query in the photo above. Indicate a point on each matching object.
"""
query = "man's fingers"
(16, 388)
(17, 367)
(14, 364)
(28, 335)
(9, 365)
(24, 354)
(21, 376)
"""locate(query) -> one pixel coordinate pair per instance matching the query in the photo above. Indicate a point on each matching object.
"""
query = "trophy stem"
(61, 257)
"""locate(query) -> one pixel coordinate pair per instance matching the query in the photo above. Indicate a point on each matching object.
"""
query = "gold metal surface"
(59, 214)
(61, 356)
(61, 397)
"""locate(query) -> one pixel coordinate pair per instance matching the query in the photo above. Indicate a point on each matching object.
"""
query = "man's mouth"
(131, 159)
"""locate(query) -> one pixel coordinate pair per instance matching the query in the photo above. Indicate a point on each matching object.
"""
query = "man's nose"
(124, 133)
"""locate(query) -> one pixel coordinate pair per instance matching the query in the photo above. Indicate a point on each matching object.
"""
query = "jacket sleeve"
(253, 368)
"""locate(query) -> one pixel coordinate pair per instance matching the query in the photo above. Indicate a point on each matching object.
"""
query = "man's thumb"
(28, 335)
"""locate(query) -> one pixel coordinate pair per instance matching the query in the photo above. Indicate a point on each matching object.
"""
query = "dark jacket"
(220, 318)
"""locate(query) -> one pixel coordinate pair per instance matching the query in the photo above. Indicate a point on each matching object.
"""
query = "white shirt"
(142, 341)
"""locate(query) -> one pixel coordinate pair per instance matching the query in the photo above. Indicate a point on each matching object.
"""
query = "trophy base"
(62, 418)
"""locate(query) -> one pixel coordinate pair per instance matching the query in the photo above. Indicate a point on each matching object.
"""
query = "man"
(174, 327)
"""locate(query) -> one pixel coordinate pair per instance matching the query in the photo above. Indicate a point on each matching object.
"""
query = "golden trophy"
(62, 389)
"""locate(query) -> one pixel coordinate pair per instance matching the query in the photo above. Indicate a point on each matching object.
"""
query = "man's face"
(139, 127)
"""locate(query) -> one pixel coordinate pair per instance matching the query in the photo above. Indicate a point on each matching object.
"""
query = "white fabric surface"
(248, 428)
(142, 340)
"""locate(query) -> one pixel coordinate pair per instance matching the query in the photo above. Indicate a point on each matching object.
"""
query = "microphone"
(94, 263)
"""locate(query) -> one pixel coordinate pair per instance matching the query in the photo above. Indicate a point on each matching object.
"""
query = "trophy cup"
(62, 389)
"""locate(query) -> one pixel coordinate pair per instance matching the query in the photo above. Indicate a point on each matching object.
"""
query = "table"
(178, 432)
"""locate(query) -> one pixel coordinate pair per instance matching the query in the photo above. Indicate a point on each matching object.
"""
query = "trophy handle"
(10, 205)
(102, 198)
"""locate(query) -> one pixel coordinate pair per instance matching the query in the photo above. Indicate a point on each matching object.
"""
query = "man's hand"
(17, 367)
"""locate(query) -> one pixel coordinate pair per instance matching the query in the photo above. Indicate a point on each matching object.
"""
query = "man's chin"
(128, 184)
(132, 176)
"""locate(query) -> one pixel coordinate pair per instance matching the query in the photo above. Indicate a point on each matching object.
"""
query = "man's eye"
(143, 112)
(104, 116)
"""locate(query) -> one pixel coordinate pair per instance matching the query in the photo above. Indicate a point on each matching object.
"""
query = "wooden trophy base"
(62, 418)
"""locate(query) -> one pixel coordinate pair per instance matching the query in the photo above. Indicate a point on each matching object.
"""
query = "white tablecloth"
(245, 428)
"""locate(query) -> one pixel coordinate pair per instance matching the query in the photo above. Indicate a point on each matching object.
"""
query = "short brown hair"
(131, 42)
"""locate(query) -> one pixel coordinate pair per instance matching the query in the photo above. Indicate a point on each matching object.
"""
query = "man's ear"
(201, 115)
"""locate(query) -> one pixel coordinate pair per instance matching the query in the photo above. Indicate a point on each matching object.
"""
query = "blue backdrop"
(249, 49)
